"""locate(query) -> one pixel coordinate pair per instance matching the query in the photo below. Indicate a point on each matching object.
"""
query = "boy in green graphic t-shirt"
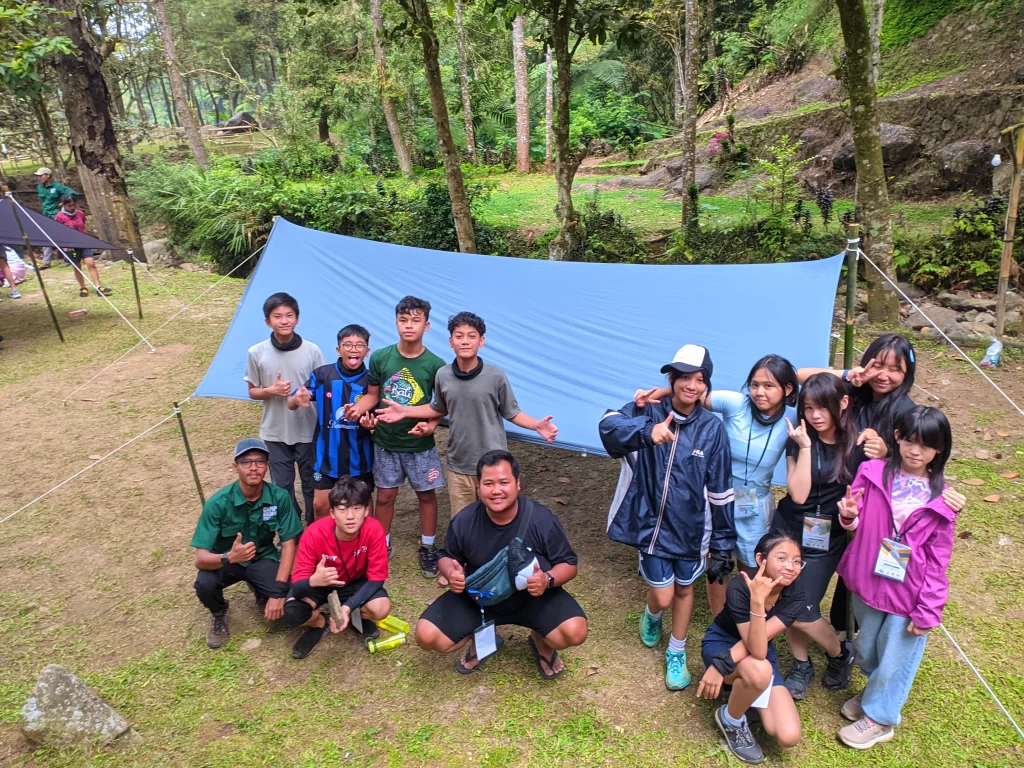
(404, 373)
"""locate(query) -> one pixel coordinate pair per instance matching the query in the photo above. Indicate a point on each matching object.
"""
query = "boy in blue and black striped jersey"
(341, 447)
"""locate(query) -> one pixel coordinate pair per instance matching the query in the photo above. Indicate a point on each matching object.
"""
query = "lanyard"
(817, 483)
(481, 596)
(767, 440)
(355, 555)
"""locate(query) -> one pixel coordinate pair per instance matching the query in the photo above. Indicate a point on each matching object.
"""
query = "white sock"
(653, 616)
(387, 539)
(729, 719)
(428, 541)
(676, 646)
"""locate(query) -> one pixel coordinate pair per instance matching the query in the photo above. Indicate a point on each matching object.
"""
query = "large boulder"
(965, 165)
(816, 88)
(963, 301)
(943, 317)
(160, 253)
(63, 712)
(705, 177)
(239, 119)
(899, 144)
(658, 179)
(812, 142)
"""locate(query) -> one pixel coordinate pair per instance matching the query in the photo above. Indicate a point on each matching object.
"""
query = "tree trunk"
(387, 105)
(273, 68)
(322, 127)
(549, 110)
(116, 96)
(691, 65)
(566, 159)
(467, 104)
(42, 115)
(93, 138)
(677, 65)
(172, 118)
(419, 12)
(148, 88)
(522, 96)
(369, 119)
(195, 141)
(138, 100)
(872, 195)
(213, 101)
(877, 13)
(195, 102)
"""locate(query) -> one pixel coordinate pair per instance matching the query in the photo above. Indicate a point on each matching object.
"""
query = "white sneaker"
(865, 733)
(853, 710)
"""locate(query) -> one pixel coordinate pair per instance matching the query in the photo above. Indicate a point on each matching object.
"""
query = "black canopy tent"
(21, 227)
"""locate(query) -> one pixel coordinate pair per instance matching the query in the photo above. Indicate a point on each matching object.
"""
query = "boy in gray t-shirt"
(477, 399)
(275, 369)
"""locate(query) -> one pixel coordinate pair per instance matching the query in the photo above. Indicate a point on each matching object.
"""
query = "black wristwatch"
(224, 561)
(551, 581)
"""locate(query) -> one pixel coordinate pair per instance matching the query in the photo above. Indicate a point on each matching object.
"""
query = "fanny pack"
(495, 581)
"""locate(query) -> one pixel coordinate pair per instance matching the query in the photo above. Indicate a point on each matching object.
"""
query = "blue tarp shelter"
(574, 338)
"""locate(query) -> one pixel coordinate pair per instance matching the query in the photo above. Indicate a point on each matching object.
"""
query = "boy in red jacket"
(344, 552)
(69, 216)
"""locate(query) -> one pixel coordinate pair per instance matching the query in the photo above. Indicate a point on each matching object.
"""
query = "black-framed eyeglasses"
(253, 462)
(349, 347)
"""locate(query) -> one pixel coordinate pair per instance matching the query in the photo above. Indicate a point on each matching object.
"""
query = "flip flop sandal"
(538, 656)
(83, 293)
(460, 665)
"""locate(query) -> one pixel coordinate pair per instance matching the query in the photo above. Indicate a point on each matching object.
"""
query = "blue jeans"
(890, 657)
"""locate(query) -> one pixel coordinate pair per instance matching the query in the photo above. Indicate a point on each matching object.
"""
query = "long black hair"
(864, 395)
(929, 427)
(785, 376)
(828, 392)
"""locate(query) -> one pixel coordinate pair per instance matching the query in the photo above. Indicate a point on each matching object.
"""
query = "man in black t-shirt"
(474, 537)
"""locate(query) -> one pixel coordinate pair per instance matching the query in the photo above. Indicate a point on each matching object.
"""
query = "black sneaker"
(307, 641)
(370, 629)
(800, 676)
(840, 668)
(428, 561)
(740, 740)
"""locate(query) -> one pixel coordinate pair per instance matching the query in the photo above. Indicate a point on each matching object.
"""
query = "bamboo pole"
(1016, 133)
(852, 246)
(188, 452)
(135, 282)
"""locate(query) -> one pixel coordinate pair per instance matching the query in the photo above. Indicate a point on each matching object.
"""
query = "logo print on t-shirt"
(403, 388)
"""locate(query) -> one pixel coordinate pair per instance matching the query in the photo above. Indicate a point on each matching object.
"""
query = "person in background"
(50, 193)
(234, 541)
(70, 216)
(271, 367)
(896, 568)
(8, 273)
(674, 500)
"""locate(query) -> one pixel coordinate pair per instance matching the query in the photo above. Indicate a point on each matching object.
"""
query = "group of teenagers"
(865, 499)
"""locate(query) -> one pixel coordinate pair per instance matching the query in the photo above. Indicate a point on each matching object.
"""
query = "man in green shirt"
(234, 541)
(50, 193)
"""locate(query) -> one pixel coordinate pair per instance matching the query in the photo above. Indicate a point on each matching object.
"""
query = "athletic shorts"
(423, 469)
(458, 615)
(77, 254)
(662, 572)
(717, 641)
(326, 482)
(814, 580)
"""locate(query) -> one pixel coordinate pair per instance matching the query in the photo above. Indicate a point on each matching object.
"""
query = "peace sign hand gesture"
(760, 587)
(863, 374)
(848, 508)
(662, 432)
(799, 434)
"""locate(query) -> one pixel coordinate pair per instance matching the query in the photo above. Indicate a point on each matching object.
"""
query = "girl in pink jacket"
(895, 567)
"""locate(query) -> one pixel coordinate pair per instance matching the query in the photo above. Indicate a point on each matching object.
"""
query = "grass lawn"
(98, 577)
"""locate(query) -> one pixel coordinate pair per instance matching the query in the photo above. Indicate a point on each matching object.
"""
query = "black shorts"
(319, 595)
(814, 580)
(326, 482)
(458, 615)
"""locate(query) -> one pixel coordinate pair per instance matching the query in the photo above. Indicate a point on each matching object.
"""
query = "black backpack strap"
(527, 511)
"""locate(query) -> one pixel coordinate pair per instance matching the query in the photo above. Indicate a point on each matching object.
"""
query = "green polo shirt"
(50, 194)
(228, 513)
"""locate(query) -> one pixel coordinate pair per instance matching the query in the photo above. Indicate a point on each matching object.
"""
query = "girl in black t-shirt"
(820, 457)
(738, 648)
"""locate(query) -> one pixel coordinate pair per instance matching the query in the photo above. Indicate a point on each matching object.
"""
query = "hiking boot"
(677, 676)
(308, 641)
(218, 633)
(865, 733)
(840, 668)
(650, 629)
(740, 740)
(428, 561)
(853, 710)
(370, 629)
(800, 676)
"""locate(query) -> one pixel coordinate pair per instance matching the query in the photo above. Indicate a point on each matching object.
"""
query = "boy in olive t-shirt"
(404, 373)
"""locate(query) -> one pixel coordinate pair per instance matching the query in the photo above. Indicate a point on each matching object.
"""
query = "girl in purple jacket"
(895, 567)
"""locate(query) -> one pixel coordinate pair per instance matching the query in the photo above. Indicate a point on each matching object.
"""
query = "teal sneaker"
(650, 629)
(677, 676)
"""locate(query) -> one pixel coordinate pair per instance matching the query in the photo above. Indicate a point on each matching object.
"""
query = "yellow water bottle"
(394, 625)
(388, 643)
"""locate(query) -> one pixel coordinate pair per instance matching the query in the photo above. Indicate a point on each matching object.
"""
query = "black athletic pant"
(261, 575)
(283, 458)
(840, 601)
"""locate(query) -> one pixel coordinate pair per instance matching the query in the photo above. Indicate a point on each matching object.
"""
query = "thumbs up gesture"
(280, 387)
(241, 553)
(457, 578)
(538, 582)
(662, 432)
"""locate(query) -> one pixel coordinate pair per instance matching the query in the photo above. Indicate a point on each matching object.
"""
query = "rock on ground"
(160, 253)
(943, 317)
(62, 711)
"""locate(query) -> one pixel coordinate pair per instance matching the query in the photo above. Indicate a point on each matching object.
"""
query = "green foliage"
(604, 237)
(907, 20)
(26, 29)
(780, 186)
(617, 118)
(761, 242)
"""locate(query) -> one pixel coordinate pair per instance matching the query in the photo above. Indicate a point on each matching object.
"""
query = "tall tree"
(181, 105)
(549, 107)
(522, 95)
(419, 13)
(467, 104)
(691, 66)
(387, 104)
(877, 14)
(93, 138)
(872, 194)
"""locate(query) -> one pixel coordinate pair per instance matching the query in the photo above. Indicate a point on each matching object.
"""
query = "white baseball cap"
(689, 359)
(43, 172)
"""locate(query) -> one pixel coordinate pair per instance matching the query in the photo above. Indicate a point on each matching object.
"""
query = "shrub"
(603, 236)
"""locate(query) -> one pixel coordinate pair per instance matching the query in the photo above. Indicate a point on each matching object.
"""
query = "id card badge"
(817, 533)
(893, 559)
(745, 505)
(484, 641)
